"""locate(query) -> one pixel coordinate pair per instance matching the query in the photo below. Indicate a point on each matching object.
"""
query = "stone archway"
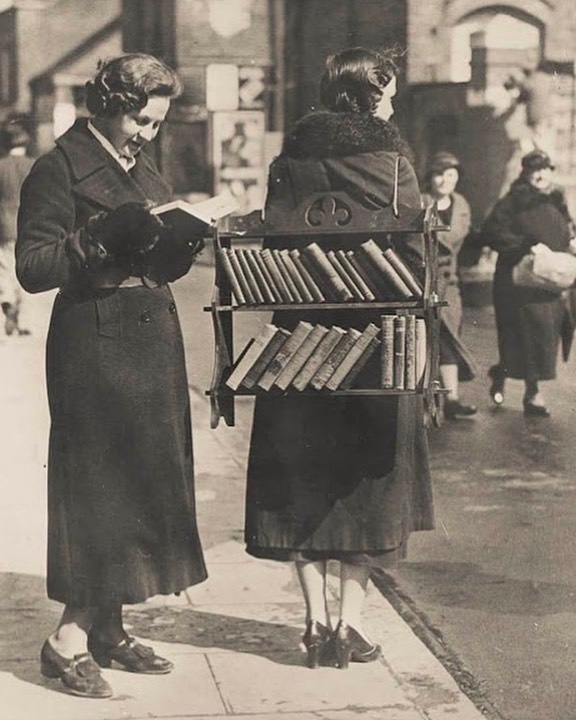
(540, 10)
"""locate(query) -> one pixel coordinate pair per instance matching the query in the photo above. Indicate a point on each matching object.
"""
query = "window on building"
(497, 30)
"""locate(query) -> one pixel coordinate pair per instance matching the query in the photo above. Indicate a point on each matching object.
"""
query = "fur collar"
(526, 197)
(330, 134)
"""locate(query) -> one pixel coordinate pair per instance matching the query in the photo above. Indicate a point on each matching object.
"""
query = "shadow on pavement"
(204, 630)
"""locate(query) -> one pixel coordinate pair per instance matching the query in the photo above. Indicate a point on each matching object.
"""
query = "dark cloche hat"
(536, 160)
(441, 161)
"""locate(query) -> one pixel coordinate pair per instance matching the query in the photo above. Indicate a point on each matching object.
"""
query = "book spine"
(299, 334)
(349, 361)
(251, 280)
(297, 278)
(404, 271)
(367, 294)
(328, 367)
(371, 276)
(269, 279)
(292, 289)
(387, 351)
(255, 372)
(319, 279)
(399, 351)
(410, 352)
(300, 357)
(318, 258)
(374, 255)
(231, 275)
(358, 366)
(346, 279)
(270, 263)
(250, 356)
(323, 349)
(311, 284)
(233, 381)
(250, 299)
(420, 351)
(259, 276)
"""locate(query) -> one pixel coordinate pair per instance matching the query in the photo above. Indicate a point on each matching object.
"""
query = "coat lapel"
(100, 180)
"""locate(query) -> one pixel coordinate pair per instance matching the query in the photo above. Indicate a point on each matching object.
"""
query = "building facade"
(488, 82)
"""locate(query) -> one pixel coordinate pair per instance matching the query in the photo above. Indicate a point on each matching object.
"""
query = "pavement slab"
(189, 691)
(255, 684)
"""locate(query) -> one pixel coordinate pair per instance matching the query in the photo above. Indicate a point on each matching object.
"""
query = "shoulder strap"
(395, 209)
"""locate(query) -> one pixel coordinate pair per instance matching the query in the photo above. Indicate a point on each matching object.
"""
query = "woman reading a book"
(121, 515)
(336, 477)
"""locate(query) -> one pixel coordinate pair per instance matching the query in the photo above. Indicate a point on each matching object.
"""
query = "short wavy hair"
(355, 78)
(126, 83)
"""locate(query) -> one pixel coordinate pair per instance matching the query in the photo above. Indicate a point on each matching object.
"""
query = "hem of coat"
(89, 600)
(376, 558)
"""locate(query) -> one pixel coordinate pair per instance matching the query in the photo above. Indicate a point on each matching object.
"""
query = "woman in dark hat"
(529, 321)
(442, 177)
(121, 515)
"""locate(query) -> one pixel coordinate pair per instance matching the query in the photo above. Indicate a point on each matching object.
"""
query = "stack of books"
(314, 275)
(331, 358)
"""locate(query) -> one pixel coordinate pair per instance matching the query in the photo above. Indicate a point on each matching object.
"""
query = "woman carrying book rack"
(340, 478)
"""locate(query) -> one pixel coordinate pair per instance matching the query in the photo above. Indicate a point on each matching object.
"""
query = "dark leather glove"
(127, 231)
(170, 259)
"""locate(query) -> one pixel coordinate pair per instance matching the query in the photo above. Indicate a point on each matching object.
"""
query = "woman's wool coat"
(338, 477)
(530, 322)
(449, 245)
(121, 515)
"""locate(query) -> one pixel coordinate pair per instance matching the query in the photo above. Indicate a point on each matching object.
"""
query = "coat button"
(145, 317)
(172, 308)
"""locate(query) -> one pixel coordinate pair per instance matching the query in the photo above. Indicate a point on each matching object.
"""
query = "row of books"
(313, 275)
(318, 357)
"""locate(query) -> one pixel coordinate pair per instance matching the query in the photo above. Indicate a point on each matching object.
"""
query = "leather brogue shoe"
(317, 640)
(80, 675)
(350, 646)
(131, 655)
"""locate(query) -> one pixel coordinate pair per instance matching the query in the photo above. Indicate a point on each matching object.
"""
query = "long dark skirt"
(121, 511)
(529, 327)
(342, 478)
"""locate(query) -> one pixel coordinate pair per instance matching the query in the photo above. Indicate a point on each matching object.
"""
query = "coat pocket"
(108, 316)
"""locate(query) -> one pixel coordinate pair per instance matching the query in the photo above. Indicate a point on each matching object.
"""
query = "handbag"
(545, 269)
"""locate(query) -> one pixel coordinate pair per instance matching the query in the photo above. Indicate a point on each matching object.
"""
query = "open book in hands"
(186, 222)
(181, 238)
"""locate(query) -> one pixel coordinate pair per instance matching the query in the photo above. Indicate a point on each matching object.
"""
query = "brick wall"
(561, 33)
(429, 34)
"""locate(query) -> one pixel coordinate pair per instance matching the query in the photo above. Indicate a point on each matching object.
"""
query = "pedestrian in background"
(442, 176)
(121, 512)
(14, 167)
(530, 321)
(340, 478)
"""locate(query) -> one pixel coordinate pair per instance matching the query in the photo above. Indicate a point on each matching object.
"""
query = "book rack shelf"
(323, 219)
